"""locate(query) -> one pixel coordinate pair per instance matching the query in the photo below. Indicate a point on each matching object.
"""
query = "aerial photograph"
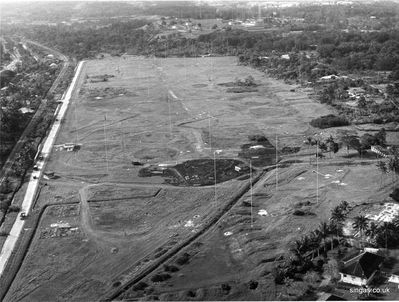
(204, 150)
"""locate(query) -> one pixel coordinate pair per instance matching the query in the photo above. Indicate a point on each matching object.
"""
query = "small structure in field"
(49, 175)
(69, 147)
(361, 269)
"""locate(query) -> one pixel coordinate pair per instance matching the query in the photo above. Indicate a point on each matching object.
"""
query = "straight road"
(33, 184)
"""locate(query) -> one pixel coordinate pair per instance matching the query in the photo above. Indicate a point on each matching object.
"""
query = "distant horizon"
(207, 1)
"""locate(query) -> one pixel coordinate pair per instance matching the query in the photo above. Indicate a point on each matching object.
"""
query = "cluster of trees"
(364, 143)
(344, 16)
(329, 236)
(329, 144)
(326, 237)
(328, 121)
(27, 88)
(336, 49)
(382, 235)
(85, 42)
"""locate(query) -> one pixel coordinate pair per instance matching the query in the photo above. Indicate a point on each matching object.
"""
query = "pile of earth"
(107, 92)
(259, 151)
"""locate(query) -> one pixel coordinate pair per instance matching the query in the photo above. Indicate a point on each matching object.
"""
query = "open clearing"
(108, 223)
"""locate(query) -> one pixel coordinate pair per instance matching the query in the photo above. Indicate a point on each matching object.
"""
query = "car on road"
(23, 216)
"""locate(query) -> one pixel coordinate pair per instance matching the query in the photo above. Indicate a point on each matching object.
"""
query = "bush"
(140, 286)
(160, 277)
(328, 121)
(191, 294)
(225, 287)
(116, 284)
(3, 234)
(257, 138)
(311, 277)
(303, 213)
(253, 284)
(395, 194)
(170, 268)
(14, 208)
(183, 259)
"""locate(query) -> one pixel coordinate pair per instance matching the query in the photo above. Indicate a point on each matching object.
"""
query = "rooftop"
(363, 265)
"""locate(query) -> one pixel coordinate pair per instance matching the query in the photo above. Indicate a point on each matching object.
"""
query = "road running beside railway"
(34, 179)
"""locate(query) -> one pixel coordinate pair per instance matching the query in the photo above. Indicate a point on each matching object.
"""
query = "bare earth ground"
(108, 223)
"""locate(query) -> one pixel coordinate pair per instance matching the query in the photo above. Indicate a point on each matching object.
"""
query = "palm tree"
(337, 220)
(344, 205)
(314, 241)
(385, 231)
(372, 231)
(360, 224)
(333, 228)
(297, 248)
(324, 231)
(337, 214)
(393, 165)
(330, 142)
(383, 168)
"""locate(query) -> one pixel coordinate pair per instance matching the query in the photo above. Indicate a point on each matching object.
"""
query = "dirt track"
(130, 232)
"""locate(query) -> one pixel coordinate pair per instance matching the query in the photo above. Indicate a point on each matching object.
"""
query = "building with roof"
(380, 151)
(361, 269)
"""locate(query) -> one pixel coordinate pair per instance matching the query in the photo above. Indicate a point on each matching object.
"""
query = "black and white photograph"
(205, 150)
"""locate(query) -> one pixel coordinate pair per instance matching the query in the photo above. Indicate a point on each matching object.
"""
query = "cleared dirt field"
(109, 223)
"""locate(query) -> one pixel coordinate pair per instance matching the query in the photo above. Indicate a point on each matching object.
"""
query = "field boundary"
(114, 295)
(24, 245)
(11, 243)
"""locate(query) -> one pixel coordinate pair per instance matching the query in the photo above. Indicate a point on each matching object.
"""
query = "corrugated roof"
(363, 266)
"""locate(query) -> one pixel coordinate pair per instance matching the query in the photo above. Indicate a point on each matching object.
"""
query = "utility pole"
(170, 117)
(214, 174)
(105, 145)
(317, 171)
(250, 179)
(276, 163)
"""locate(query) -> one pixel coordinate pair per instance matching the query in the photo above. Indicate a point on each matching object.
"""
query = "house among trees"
(361, 269)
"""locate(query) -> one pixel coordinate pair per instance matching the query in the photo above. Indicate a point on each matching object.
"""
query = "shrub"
(140, 286)
(253, 284)
(183, 259)
(160, 277)
(116, 284)
(395, 194)
(3, 234)
(303, 213)
(191, 294)
(311, 277)
(257, 138)
(328, 121)
(225, 287)
(14, 208)
(170, 268)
